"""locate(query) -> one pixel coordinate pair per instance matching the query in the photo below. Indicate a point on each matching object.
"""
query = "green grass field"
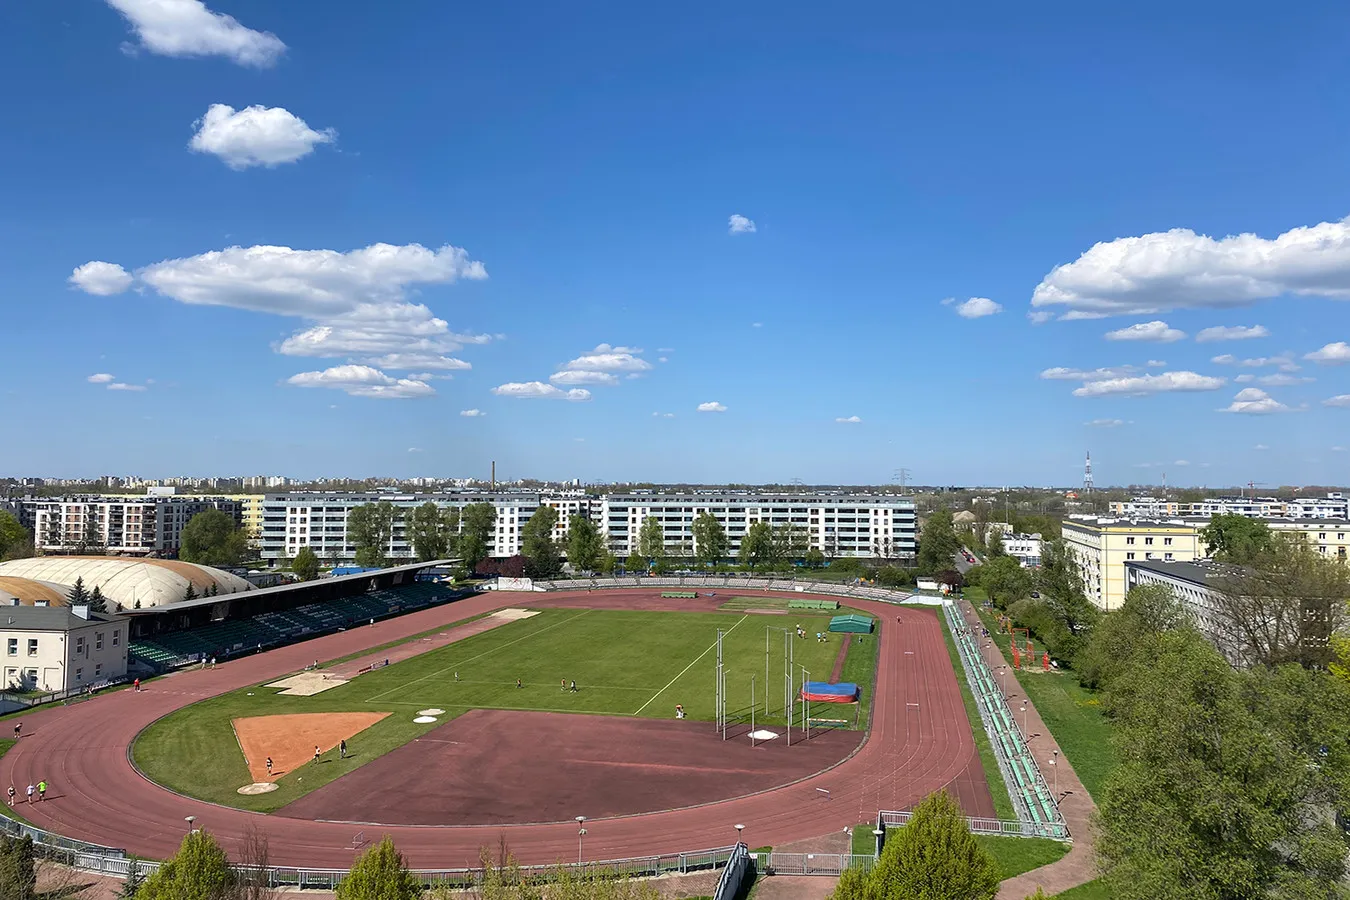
(1012, 855)
(624, 663)
(1093, 890)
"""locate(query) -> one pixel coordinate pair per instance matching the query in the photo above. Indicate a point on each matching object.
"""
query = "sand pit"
(290, 739)
(258, 787)
(307, 684)
(512, 614)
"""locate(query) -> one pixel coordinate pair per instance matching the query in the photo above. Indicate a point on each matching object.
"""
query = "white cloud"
(1105, 423)
(1040, 316)
(974, 308)
(711, 406)
(848, 420)
(605, 358)
(738, 224)
(756, 324)
(101, 278)
(1156, 363)
(256, 136)
(1140, 385)
(1231, 333)
(661, 415)
(1285, 362)
(100, 378)
(1260, 447)
(1062, 373)
(472, 413)
(1331, 354)
(363, 381)
(405, 361)
(539, 390)
(1254, 401)
(1224, 359)
(414, 449)
(663, 359)
(1245, 378)
(1147, 331)
(1180, 269)
(581, 376)
(1338, 400)
(1182, 462)
(1280, 379)
(188, 28)
(120, 386)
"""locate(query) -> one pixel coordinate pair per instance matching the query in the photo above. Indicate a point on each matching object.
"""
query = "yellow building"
(250, 512)
(1331, 537)
(1101, 547)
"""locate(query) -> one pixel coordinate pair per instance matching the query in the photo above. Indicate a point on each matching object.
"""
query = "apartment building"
(127, 526)
(55, 648)
(1196, 585)
(1332, 506)
(1330, 537)
(1100, 548)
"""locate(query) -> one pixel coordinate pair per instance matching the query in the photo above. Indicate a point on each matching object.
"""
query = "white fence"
(745, 582)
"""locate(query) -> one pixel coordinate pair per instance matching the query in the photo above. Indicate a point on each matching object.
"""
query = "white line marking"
(711, 647)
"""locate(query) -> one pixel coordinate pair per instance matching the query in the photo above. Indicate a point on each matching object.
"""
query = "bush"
(380, 873)
(848, 565)
(198, 871)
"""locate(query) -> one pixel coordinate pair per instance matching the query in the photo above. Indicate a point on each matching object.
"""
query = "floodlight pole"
(752, 710)
(806, 703)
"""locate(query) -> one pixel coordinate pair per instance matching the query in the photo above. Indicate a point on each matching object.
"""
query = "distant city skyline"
(743, 245)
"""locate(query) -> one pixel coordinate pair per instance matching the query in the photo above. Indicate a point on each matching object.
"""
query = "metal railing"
(739, 866)
(776, 863)
(749, 582)
(68, 695)
(978, 825)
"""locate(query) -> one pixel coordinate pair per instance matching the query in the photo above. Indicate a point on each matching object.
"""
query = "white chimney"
(81, 611)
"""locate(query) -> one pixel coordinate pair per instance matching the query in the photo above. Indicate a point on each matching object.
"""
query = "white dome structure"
(123, 580)
(27, 592)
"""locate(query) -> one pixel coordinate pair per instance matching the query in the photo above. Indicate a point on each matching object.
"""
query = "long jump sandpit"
(502, 767)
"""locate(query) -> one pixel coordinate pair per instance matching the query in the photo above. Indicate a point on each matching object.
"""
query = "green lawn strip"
(1071, 712)
(1092, 890)
(1003, 808)
(401, 641)
(740, 604)
(864, 841)
(860, 668)
(624, 663)
(1015, 855)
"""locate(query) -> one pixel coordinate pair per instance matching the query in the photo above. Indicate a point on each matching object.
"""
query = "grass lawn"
(740, 604)
(860, 667)
(624, 663)
(1071, 712)
(1093, 890)
(1012, 855)
(1003, 807)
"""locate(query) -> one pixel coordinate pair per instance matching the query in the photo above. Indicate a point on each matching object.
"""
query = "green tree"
(97, 602)
(211, 538)
(190, 593)
(933, 857)
(790, 542)
(429, 531)
(1236, 539)
(370, 528)
(198, 871)
(91, 538)
(651, 539)
(18, 868)
(14, 538)
(131, 886)
(305, 564)
(938, 543)
(994, 546)
(814, 559)
(710, 538)
(585, 545)
(757, 546)
(635, 563)
(1005, 581)
(79, 594)
(607, 563)
(475, 536)
(381, 873)
(538, 546)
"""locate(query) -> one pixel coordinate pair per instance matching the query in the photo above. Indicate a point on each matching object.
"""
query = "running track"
(920, 741)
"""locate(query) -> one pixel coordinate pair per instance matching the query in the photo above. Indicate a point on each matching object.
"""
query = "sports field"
(624, 663)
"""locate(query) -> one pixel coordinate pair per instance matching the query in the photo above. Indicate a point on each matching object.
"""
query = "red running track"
(920, 741)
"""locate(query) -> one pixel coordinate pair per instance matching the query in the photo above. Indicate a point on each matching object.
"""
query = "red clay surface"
(920, 741)
(496, 766)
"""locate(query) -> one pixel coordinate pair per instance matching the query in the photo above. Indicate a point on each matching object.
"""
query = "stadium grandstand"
(237, 624)
(124, 581)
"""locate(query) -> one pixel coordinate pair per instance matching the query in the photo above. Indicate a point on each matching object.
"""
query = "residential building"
(1100, 547)
(1331, 537)
(1197, 586)
(127, 526)
(56, 648)
(1144, 507)
(1025, 548)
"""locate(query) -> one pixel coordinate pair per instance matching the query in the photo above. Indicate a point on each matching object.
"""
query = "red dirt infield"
(492, 766)
(920, 741)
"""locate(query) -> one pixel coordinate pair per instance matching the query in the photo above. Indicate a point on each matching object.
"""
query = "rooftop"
(48, 618)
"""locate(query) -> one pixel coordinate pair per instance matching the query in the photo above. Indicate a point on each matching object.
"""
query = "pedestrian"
(11, 795)
(136, 685)
(213, 662)
(564, 684)
(18, 726)
(342, 749)
(316, 753)
(269, 765)
(518, 684)
(574, 687)
(42, 791)
(457, 676)
(31, 791)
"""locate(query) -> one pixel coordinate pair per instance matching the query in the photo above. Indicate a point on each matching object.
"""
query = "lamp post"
(878, 833)
(739, 829)
(190, 820)
(1024, 717)
(581, 836)
(1054, 766)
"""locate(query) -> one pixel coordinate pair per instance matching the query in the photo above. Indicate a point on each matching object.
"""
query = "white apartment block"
(1196, 586)
(1332, 506)
(55, 648)
(135, 526)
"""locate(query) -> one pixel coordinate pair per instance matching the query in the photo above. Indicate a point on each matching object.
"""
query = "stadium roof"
(127, 581)
(30, 592)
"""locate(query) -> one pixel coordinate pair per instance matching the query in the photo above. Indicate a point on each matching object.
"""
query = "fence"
(10, 701)
(776, 863)
(748, 582)
(740, 866)
(1053, 830)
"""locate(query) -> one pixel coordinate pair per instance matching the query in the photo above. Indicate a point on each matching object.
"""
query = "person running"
(573, 689)
(679, 711)
(11, 795)
(317, 753)
(18, 726)
(564, 684)
(42, 791)
(342, 749)
(269, 766)
(136, 685)
(31, 791)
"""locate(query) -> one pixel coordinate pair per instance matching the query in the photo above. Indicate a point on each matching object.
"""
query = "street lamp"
(1024, 717)
(739, 829)
(878, 833)
(581, 835)
(1055, 763)
(190, 820)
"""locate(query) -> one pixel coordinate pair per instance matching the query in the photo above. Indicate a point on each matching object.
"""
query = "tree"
(381, 873)
(198, 871)
(211, 538)
(79, 595)
(651, 539)
(14, 538)
(938, 543)
(190, 593)
(757, 546)
(635, 563)
(537, 544)
(430, 531)
(1228, 780)
(814, 559)
(607, 562)
(91, 538)
(933, 857)
(585, 545)
(710, 538)
(789, 542)
(370, 528)
(134, 880)
(475, 536)
(1236, 539)
(1130, 632)
(18, 868)
(1005, 581)
(306, 564)
(994, 547)
(97, 602)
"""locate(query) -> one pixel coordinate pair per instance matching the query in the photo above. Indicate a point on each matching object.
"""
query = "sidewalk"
(1079, 864)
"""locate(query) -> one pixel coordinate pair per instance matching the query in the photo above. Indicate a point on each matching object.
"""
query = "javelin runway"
(920, 741)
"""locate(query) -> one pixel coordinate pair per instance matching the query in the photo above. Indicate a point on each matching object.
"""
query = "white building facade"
(55, 648)
(127, 526)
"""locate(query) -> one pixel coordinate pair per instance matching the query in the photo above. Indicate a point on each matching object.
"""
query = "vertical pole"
(752, 711)
(766, 670)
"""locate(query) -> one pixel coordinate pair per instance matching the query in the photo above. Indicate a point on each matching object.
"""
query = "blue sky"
(320, 237)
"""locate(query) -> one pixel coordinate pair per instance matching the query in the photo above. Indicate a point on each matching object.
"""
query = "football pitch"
(624, 663)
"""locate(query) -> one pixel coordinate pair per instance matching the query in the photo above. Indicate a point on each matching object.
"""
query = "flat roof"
(1198, 572)
(49, 618)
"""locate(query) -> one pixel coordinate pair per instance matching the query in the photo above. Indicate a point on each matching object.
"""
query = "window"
(79, 674)
(98, 670)
(1129, 540)
(1130, 555)
(79, 644)
(1167, 556)
(98, 640)
(1148, 542)
(1167, 542)
(13, 648)
(32, 646)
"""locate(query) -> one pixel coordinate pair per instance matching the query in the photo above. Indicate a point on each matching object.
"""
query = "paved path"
(920, 741)
(1078, 865)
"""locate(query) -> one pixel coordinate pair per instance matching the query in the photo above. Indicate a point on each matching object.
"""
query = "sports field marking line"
(548, 684)
(711, 647)
(461, 662)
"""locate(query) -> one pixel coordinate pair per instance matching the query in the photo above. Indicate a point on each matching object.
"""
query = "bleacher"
(232, 637)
